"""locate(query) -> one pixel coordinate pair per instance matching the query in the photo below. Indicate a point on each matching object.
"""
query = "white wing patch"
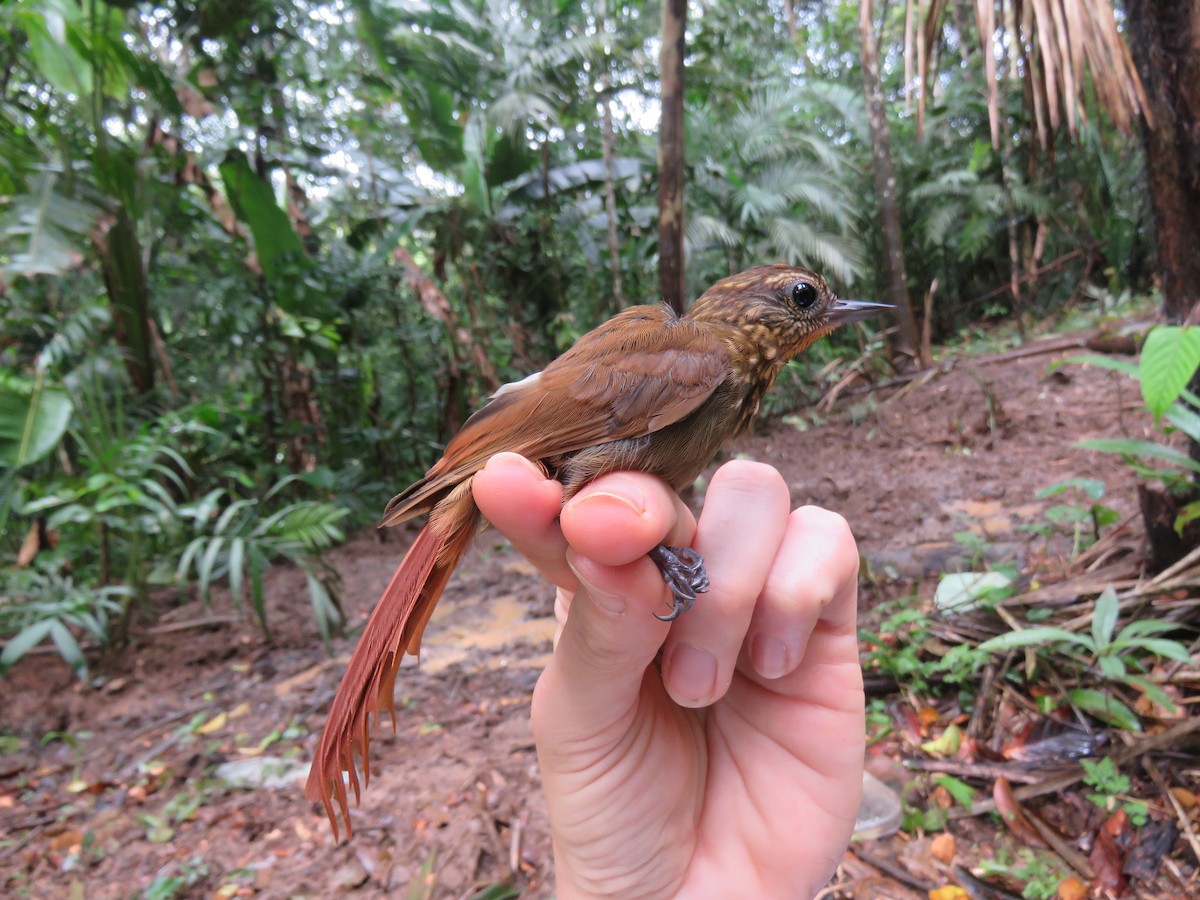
(514, 387)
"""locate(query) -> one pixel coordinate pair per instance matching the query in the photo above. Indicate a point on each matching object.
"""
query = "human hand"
(734, 768)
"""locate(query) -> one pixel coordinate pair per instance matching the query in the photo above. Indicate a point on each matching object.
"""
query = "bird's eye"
(804, 295)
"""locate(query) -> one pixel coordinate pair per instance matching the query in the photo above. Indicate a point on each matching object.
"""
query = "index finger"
(517, 497)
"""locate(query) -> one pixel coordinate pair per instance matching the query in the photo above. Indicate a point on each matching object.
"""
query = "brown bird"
(647, 391)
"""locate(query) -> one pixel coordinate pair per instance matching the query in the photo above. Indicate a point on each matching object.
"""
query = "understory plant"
(1164, 372)
(236, 538)
(1104, 655)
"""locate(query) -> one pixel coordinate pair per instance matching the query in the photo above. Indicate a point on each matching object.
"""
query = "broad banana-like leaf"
(32, 421)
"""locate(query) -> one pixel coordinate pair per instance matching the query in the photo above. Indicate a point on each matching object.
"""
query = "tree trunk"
(908, 339)
(125, 282)
(1165, 42)
(670, 156)
(606, 148)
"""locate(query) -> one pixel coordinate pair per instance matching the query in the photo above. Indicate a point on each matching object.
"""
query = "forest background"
(259, 260)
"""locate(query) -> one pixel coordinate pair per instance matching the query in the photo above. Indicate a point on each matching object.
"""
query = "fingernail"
(769, 655)
(633, 500)
(693, 675)
(610, 603)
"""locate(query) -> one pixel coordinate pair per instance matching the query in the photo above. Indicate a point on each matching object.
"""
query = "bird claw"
(683, 570)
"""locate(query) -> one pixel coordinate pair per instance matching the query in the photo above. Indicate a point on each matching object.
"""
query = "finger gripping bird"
(647, 391)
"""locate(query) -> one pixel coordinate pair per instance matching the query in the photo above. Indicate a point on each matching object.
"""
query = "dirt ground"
(178, 769)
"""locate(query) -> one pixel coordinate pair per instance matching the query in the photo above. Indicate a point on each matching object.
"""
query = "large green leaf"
(46, 24)
(275, 240)
(1133, 447)
(44, 230)
(1105, 707)
(24, 641)
(1169, 359)
(474, 167)
(1104, 617)
(32, 422)
(1033, 637)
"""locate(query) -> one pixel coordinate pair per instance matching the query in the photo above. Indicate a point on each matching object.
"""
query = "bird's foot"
(683, 570)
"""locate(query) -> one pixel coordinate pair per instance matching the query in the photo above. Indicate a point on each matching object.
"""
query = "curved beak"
(844, 311)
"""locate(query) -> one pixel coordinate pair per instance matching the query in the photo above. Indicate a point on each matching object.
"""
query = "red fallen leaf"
(909, 725)
(1018, 741)
(968, 750)
(1108, 857)
(1012, 814)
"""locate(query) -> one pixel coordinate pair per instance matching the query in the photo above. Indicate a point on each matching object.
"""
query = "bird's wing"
(641, 371)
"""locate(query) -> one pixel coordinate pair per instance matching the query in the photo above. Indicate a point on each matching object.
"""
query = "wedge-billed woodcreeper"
(648, 391)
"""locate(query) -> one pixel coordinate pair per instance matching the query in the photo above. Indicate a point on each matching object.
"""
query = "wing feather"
(646, 369)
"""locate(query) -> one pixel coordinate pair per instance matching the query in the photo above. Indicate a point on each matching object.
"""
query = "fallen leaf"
(30, 546)
(1186, 798)
(946, 745)
(240, 710)
(216, 723)
(1107, 857)
(1013, 815)
(65, 840)
(927, 716)
(1071, 889)
(949, 892)
(943, 847)
(941, 798)
(289, 684)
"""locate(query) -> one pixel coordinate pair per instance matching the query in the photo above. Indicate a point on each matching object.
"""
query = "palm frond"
(795, 241)
(702, 231)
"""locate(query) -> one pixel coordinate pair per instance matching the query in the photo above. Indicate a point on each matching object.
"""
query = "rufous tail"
(395, 627)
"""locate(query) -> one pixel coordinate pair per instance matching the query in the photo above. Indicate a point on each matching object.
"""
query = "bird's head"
(780, 306)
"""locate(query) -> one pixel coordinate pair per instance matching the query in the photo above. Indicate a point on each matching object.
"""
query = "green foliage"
(920, 820)
(768, 188)
(237, 540)
(1169, 359)
(1038, 873)
(33, 419)
(1076, 517)
(166, 887)
(1169, 362)
(897, 650)
(1105, 653)
(1108, 784)
(276, 243)
(41, 229)
(41, 605)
